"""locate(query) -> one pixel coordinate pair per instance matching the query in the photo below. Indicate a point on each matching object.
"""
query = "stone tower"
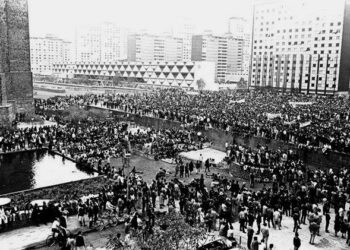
(16, 92)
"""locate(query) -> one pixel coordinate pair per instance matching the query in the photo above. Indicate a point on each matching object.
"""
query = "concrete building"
(237, 26)
(154, 73)
(184, 29)
(240, 28)
(16, 85)
(225, 51)
(146, 48)
(45, 51)
(105, 42)
(299, 45)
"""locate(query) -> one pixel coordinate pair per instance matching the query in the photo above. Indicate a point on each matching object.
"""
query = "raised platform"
(207, 153)
(23, 125)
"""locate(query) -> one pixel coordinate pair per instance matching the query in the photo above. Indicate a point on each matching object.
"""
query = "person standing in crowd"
(296, 242)
(198, 167)
(182, 169)
(326, 213)
(191, 167)
(255, 244)
(177, 169)
(187, 171)
(242, 220)
(258, 222)
(296, 217)
(207, 165)
(81, 214)
(265, 234)
(250, 234)
(337, 223)
(79, 241)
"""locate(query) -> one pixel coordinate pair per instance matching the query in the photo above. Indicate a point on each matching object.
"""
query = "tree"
(116, 79)
(173, 233)
(242, 83)
(201, 84)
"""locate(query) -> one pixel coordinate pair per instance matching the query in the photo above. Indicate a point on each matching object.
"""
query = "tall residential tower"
(301, 46)
(225, 51)
(105, 42)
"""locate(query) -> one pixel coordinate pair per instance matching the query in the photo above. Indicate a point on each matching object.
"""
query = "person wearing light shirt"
(3, 217)
(55, 228)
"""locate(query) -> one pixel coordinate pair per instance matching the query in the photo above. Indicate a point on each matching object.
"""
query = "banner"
(240, 101)
(305, 124)
(294, 104)
(289, 123)
(271, 116)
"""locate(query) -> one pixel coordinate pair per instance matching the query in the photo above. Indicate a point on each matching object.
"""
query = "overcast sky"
(60, 17)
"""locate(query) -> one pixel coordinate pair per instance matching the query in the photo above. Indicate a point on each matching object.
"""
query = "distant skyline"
(61, 17)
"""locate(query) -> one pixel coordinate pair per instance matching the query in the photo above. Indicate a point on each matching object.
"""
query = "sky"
(61, 17)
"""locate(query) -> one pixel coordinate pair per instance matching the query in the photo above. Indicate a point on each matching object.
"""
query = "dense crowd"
(307, 198)
(314, 121)
(305, 194)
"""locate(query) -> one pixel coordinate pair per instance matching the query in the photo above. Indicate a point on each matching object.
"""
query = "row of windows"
(322, 52)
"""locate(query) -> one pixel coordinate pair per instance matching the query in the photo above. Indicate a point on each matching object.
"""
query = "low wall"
(77, 87)
(59, 192)
(220, 137)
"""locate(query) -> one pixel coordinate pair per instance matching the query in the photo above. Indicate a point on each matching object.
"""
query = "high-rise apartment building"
(239, 27)
(299, 45)
(146, 48)
(225, 51)
(45, 51)
(184, 29)
(105, 42)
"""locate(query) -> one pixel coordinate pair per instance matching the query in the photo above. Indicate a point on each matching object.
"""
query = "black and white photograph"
(175, 125)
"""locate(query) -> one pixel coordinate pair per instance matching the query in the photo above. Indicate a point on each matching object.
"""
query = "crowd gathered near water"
(290, 187)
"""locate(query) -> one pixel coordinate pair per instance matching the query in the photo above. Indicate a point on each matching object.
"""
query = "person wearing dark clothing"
(296, 221)
(207, 165)
(337, 224)
(191, 167)
(255, 244)
(258, 222)
(182, 169)
(326, 209)
(79, 241)
(296, 241)
(250, 234)
(35, 215)
(328, 219)
(187, 172)
(63, 222)
(348, 231)
(45, 213)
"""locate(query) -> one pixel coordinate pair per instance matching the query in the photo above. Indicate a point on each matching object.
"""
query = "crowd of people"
(314, 121)
(296, 191)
